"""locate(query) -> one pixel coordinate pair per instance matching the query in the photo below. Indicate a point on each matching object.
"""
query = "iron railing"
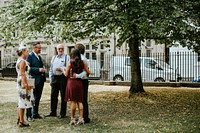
(177, 67)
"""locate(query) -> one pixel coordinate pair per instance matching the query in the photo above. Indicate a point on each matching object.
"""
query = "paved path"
(8, 90)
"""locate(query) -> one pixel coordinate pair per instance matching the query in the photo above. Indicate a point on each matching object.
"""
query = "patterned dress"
(25, 97)
(74, 90)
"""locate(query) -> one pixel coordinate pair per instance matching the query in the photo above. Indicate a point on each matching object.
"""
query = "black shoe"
(50, 115)
(86, 120)
(38, 117)
(62, 116)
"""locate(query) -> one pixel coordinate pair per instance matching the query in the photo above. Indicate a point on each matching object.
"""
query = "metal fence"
(176, 67)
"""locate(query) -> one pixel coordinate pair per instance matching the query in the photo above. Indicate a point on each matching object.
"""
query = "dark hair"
(35, 44)
(76, 56)
(80, 47)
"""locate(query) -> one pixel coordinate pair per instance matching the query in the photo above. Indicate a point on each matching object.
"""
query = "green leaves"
(172, 20)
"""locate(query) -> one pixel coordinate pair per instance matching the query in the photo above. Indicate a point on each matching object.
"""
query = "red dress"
(74, 90)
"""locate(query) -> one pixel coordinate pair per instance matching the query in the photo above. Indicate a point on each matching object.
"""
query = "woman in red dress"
(74, 92)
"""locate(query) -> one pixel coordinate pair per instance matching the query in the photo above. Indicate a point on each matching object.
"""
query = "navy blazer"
(35, 64)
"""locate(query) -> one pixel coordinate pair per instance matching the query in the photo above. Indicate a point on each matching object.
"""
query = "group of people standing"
(67, 75)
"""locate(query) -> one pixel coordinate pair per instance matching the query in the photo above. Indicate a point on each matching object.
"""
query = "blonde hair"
(21, 49)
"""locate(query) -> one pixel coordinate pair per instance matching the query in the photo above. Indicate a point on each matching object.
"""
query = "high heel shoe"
(80, 121)
(73, 121)
(17, 121)
(22, 124)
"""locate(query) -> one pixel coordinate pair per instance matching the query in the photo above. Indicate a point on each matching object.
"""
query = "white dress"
(25, 97)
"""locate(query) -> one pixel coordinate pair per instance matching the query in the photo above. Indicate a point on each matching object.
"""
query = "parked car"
(9, 70)
(94, 67)
(151, 70)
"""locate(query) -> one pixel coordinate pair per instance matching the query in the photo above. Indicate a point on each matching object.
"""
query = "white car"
(151, 70)
(94, 68)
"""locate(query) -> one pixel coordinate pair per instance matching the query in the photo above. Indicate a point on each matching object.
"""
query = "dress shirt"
(58, 61)
(36, 55)
(83, 75)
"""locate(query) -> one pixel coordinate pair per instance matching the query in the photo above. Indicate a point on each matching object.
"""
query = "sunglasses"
(60, 48)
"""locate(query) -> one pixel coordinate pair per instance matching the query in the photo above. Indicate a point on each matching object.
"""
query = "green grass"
(158, 110)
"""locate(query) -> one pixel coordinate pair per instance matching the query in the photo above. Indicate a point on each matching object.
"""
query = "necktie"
(39, 57)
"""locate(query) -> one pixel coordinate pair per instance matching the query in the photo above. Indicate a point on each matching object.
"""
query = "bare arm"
(66, 73)
(22, 68)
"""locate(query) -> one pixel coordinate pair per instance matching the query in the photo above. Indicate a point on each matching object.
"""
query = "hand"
(28, 87)
(73, 76)
(31, 87)
(59, 69)
(42, 70)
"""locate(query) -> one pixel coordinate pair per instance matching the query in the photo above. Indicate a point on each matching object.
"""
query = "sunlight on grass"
(159, 109)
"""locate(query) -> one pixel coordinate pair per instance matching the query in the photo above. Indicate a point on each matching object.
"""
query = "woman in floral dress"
(25, 92)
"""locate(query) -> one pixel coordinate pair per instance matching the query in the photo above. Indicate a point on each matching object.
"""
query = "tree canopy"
(168, 21)
(171, 20)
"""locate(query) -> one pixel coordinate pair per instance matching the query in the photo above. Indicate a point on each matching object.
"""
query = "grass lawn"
(158, 110)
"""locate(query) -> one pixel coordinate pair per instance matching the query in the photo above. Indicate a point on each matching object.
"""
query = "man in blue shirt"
(58, 81)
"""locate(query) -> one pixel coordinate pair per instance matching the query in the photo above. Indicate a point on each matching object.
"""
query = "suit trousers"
(58, 84)
(37, 92)
(85, 100)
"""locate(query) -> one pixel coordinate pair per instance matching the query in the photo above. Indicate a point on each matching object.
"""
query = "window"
(94, 56)
(44, 50)
(11, 65)
(70, 49)
(148, 53)
(7, 52)
(87, 47)
(148, 43)
(150, 64)
(198, 56)
(87, 55)
(94, 47)
(102, 46)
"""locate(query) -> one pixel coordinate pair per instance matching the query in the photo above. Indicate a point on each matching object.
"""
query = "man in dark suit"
(37, 71)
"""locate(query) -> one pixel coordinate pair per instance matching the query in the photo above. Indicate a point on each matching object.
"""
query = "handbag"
(30, 82)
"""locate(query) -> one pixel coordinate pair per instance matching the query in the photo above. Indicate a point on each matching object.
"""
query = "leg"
(85, 101)
(29, 113)
(73, 110)
(37, 95)
(80, 108)
(54, 97)
(63, 108)
(21, 115)
(21, 118)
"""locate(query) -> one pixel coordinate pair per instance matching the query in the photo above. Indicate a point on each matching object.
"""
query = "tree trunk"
(166, 54)
(136, 80)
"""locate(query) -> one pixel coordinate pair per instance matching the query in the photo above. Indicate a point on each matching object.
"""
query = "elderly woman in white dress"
(25, 92)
